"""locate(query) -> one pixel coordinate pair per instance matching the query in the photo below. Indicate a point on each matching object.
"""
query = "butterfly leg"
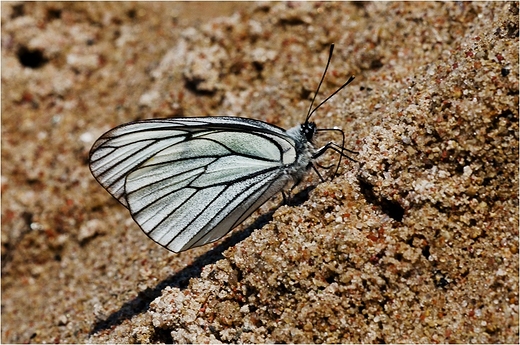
(285, 199)
(337, 148)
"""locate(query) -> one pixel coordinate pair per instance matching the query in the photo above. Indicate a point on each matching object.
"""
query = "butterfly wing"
(187, 182)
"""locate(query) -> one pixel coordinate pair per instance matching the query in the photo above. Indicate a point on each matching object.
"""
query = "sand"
(417, 241)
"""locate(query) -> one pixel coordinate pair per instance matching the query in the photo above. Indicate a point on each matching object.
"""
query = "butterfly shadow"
(180, 279)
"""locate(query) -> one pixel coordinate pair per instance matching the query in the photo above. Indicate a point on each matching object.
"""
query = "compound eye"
(309, 129)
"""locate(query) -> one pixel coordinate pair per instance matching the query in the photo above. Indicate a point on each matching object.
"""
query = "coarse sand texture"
(417, 242)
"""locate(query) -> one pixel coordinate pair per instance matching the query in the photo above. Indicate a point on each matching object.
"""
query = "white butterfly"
(189, 181)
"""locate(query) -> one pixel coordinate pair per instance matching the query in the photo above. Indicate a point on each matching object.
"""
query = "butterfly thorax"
(302, 136)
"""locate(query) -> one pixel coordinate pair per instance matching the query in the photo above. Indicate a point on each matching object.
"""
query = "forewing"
(125, 148)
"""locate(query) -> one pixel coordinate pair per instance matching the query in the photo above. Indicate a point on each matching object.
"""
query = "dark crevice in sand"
(391, 208)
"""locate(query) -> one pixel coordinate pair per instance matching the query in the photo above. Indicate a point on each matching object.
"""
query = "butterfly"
(189, 181)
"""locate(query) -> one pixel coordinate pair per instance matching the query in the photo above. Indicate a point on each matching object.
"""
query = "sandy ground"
(417, 242)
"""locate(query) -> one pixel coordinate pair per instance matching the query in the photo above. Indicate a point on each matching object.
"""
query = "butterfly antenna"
(335, 92)
(309, 113)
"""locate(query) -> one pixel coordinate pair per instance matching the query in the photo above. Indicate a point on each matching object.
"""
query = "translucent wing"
(187, 182)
